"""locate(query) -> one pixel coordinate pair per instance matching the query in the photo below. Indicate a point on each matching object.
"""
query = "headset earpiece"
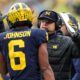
(59, 22)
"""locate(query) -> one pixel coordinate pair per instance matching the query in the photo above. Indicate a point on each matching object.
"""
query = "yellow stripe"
(1, 77)
(20, 6)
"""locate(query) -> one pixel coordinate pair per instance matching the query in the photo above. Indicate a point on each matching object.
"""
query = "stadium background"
(72, 6)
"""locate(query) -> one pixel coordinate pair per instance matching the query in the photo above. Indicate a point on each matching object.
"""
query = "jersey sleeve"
(41, 37)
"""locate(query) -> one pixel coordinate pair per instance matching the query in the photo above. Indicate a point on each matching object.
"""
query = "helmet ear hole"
(9, 23)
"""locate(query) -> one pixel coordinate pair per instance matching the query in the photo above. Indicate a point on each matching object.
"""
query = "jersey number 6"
(17, 54)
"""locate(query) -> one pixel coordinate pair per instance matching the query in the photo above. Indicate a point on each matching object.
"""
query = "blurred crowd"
(72, 6)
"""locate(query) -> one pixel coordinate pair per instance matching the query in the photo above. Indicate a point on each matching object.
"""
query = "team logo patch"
(47, 13)
(55, 46)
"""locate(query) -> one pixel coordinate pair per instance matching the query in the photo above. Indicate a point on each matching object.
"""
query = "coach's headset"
(50, 15)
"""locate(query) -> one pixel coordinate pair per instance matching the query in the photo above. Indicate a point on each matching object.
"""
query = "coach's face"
(47, 25)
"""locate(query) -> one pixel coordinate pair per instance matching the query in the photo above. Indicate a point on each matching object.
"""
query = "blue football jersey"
(20, 49)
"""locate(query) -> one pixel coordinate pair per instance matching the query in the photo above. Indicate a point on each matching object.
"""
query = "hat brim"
(46, 17)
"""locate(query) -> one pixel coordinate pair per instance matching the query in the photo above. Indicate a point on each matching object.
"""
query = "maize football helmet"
(19, 12)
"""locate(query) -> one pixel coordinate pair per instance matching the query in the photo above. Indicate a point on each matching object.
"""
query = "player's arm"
(3, 69)
(44, 63)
